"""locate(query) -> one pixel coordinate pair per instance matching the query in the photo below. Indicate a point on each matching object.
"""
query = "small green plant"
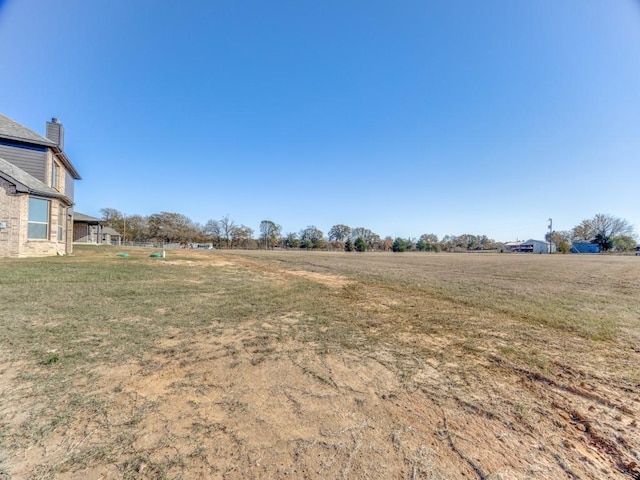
(51, 358)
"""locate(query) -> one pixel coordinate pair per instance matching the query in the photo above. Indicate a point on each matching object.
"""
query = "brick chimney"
(55, 132)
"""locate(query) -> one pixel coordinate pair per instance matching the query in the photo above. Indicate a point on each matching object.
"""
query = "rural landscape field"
(289, 364)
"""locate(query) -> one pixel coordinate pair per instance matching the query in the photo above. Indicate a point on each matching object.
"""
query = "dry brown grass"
(308, 365)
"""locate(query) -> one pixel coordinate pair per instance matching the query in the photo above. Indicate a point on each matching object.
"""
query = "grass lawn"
(216, 364)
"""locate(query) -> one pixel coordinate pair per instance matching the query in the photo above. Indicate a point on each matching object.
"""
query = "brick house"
(36, 191)
(87, 229)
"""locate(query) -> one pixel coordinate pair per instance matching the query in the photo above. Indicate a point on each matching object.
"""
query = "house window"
(54, 175)
(61, 214)
(38, 227)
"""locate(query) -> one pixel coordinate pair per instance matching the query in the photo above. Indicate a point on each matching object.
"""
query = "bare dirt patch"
(216, 262)
(246, 406)
(333, 281)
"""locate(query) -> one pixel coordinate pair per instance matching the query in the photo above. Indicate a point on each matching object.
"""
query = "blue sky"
(405, 117)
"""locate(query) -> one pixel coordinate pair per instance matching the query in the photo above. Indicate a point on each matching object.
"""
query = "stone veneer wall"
(61, 180)
(40, 248)
(10, 214)
(14, 211)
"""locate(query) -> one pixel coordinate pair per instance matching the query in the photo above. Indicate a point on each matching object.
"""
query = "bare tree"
(213, 230)
(173, 228)
(604, 225)
(227, 230)
(136, 228)
(241, 236)
(113, 218)
(110, 215)
(132, 227)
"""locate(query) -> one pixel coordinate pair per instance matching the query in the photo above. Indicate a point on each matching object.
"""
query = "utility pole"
(550, 233)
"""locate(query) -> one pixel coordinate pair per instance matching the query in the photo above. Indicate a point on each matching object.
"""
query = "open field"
(234, 365)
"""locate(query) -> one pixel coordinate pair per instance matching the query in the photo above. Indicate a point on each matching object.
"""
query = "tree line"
(606, 231)
(168, 227)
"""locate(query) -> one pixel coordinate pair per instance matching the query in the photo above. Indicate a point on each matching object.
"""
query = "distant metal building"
(531, 246)
(585, 247)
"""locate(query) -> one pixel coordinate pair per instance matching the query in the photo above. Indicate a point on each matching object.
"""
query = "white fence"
(166, 246)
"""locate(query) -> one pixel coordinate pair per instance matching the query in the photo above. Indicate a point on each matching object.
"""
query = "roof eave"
(59, 196)
(66, 162)
(43, 143)
(22, 188)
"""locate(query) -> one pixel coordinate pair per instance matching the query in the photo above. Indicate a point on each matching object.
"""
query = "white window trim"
(55, 175)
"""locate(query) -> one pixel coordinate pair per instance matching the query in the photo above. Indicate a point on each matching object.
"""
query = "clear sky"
(404, 117)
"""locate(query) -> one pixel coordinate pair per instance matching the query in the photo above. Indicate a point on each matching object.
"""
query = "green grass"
(95, 308)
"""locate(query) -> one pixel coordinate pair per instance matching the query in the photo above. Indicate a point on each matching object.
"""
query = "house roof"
(532, 240)
(26, 183)
(111, 231)
(81, 217)
(12, 130)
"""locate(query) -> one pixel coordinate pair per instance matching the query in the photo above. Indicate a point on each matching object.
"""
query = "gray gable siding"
(32, 160)
(26, 183)
(68, 185)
